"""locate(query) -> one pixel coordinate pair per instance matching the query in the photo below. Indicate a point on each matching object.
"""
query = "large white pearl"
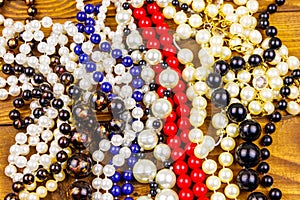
(293, 108)
(213, 182)
(144, 171)
(168, 78)
(219, 121)
(232, 191)
(225, 175)
(209, 166)
(147, 139)
(153, 56)
(185, 56)
(166, 179)
(184, 31)
(161, 108)
(217, 196)
(167, 194)
(162, 152)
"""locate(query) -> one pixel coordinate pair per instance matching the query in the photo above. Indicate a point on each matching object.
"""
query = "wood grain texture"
(285, 158)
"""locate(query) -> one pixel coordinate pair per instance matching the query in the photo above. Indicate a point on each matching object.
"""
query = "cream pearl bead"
(203, 36)
(294, 92)
(201, 73)
(199, 102)
(246, 21)
(276, 60)
(283, 51)
(229, 77)
(161, 108)
(232, 191)
(217, 196)
(144, 171)
(293, 108)
(200, 87)
(266, 94)
(184, 31)
(269, 107)
(240, 2)
(244, 76)
(153, 56)
(252, 6)
(185, 56)
(198, 5)
(248, 93)
(195, 21)
(213, 182)
(255, 37)
(232, 130)
(227, 143)
(276, 82)
(168, 78)
(201, 151)
(147, 139)
(169, 12)
(51, 185)
(233, 18)
(196, 120)
(166, 179)
(162, 3)
(293, 62)
(227, 9)
(41, 191)
(219, 121)
(236, 29)
(225, 175)
(33, 196)
(226, 53)
(188, 74)
(265, 43)
(216, 41)
(195, 135)
(190, 93)
(212, 10)
(180, 17)
(23, 195)
(233, 89)
(137, 3)
(233, 42)
(209, 166)
(167, 194)
(255, 107)
(162, 152)
(225, 159)
(283, 68)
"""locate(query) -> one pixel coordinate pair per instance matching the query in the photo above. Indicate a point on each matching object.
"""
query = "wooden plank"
(284, 162)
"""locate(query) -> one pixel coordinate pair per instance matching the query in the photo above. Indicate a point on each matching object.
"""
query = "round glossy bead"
(237, 63)
(275, 194)
(236, 112)
(79, 165)
(248, 179)
(220, 98)
(80, 190)
(247, 154)
(257, 196)
(249, 130)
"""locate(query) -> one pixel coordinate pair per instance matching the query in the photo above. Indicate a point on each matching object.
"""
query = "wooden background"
(285, 151)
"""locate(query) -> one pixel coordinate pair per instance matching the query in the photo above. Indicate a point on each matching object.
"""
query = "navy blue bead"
(111, 96)
(81, 16)
(127, 61)
(89, 8)
(98, 76)
(83, 58)
(114, 150)
(78, 49)
(128, 198)
(106, 87)
(105, 46)
(135, 71)
(131, 161)
(115, 190)
(116, 53)
(95, 38)
(97, 8)
(138, 106)
(127, 188)
(80, 27)
(116, 177)
(135, 148)
(137, 83)
(89, 29)
(90, 21)
(127, 175)
(138, 96)
(90, 67)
